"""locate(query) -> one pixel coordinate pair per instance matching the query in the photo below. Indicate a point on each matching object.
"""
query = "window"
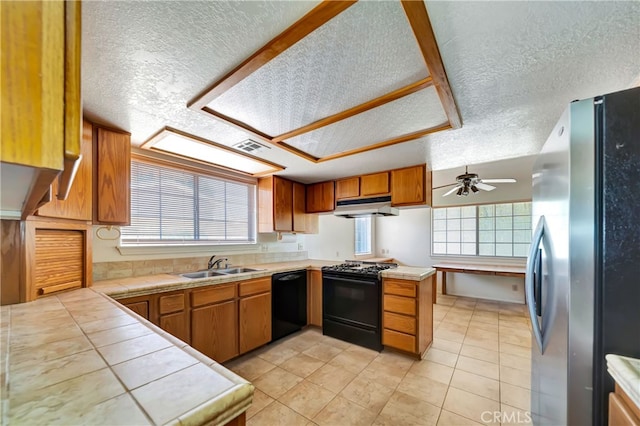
(363, 235)
(170, 206)
(484, 230)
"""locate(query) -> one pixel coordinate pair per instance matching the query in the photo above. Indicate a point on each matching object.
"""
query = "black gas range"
(359, 268)
(351, 302)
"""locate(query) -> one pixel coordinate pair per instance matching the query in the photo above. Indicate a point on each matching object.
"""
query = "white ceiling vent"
(250, 146)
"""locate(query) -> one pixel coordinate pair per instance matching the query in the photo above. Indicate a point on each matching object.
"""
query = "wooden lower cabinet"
(176, 325)
(214, 330)
(407, 318)
(222, 321)
(314, 290)
(141, 308)
(622, 410)
(255, 321)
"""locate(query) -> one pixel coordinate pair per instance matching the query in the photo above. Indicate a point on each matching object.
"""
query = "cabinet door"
(78, 202)
(299, 214)
(320, 197)
(282, 204)
(214, 330)
(255, 321)
(408, 186)
(176, 325)
(141, 308)
(348, 188)
(315, 298)
(112, 177)
(374, 184)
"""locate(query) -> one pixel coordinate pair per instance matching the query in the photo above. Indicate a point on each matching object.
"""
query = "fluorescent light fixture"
(181, 144)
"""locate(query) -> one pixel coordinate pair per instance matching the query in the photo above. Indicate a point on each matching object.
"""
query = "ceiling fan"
(470, 183)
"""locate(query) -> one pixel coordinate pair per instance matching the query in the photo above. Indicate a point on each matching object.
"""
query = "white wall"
(407, 238)
(335, 240)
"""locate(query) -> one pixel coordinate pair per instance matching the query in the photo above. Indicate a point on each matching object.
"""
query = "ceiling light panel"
(184, 145)
(418, 111)
(365, 52)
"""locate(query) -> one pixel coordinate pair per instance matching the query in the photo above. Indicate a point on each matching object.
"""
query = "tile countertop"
(626, 372)
(79, 358)
(119, 288)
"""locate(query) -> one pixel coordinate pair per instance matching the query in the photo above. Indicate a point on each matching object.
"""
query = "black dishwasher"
(288, 303)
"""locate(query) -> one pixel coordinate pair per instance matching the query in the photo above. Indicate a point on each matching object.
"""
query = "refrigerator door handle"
(529, 281)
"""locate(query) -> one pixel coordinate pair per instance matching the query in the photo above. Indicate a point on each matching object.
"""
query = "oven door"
(355, 301)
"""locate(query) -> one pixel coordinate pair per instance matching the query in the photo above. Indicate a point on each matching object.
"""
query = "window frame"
(198, 172)
(477, 232)
(370, 235)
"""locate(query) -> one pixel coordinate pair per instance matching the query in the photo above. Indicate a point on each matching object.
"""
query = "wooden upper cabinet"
(348, 188)
(410, 186)
(299, 207)
(112, 177)
(374, 184)
(282, 204)
(40, 87)
(78, 203)
(275, 204)
(320, 197)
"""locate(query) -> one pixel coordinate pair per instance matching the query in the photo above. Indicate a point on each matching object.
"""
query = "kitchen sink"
(217, 272)
(203, 274)
(236, 270)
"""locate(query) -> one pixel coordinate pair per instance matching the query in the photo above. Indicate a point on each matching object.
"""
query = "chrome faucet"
(216, 263)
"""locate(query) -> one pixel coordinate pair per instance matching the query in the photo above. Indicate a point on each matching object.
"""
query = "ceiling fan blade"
(485, 187)
(499, 180)
(451, 191)
(444, 186)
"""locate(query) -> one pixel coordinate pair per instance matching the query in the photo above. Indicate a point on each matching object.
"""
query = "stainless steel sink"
(236, 270)
(217, 272)
(203, 274)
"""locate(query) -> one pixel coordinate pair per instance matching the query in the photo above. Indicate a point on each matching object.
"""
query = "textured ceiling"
(512, 67)
(364, 52)
(418, 111)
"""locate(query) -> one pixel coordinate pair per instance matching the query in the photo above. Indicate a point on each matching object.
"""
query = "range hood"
(378, 206)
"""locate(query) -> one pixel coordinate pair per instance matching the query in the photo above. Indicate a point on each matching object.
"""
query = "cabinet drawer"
(403, 323)
(261, 285)
(172, 303)
(401, 305)
(401, 288)
(213, 294)
(397, 340)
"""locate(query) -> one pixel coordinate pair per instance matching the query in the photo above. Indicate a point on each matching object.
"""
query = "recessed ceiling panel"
(365, 52)
(418, 111)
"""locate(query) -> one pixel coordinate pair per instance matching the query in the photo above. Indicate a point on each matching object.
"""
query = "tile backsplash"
(135, 268)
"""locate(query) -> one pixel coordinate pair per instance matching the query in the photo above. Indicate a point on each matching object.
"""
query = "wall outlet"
(337, 254)
(300, 247)
(514, 287)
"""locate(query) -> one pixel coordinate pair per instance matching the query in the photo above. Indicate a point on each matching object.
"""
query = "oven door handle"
(373, 281)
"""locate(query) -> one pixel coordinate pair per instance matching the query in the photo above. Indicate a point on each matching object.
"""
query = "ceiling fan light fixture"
(459, 193)
(474, 189)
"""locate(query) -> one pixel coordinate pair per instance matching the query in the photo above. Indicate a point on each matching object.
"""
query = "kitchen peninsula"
(81, 356)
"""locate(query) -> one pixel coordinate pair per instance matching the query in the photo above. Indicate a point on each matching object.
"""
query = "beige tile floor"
(479, 362)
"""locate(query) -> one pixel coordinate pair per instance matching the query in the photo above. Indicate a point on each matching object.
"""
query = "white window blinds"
(363, 235)
(170, 206)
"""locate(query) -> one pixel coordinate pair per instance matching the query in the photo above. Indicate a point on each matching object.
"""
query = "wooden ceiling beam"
(317, 17)
(419, 20)
(374, 103)
(388, 142)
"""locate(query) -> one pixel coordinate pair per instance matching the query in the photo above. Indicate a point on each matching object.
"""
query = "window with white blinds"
(171, 206)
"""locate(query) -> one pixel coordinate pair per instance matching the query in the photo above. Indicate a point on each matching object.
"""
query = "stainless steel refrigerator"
(583, 271)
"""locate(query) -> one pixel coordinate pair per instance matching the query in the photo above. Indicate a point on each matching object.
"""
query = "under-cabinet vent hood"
(379, 206)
